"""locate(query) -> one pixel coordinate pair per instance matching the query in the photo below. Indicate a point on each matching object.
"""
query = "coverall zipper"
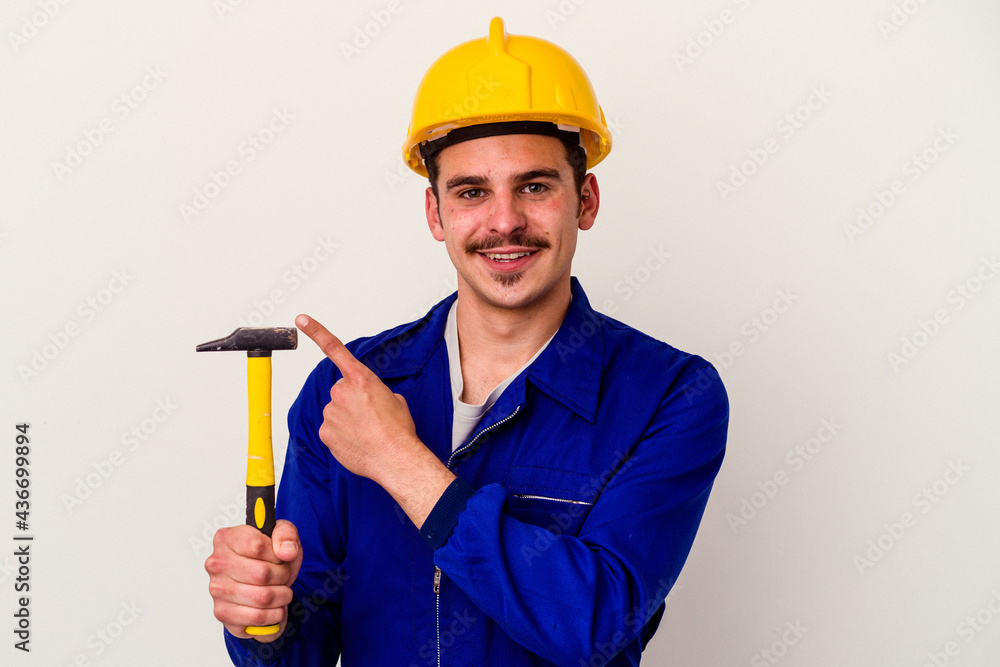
(437, 570)
(489, 428)
(437, 611)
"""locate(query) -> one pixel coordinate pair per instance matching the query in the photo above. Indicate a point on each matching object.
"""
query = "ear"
(590, 202)
(432, 214)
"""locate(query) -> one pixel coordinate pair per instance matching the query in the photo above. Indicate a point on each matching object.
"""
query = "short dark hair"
(576, 156)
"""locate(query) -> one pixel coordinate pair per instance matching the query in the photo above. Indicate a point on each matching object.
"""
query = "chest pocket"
(556, 500)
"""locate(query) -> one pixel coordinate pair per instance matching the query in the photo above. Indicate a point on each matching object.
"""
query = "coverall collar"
(568, 370)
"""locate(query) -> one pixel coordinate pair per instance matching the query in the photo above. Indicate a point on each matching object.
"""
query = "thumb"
(285, 540)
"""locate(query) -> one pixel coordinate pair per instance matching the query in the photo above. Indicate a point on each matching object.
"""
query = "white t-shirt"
(467, 416)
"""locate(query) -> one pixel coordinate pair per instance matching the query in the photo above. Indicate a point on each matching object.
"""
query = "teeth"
(509, 255)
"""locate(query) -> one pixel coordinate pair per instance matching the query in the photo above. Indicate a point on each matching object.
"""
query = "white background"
(694, 92)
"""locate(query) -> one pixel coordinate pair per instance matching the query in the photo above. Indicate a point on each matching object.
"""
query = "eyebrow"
(480, 181)
(459, 181)
(535, 174)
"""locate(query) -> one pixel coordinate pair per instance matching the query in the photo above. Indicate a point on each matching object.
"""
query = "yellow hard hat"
(504, 78)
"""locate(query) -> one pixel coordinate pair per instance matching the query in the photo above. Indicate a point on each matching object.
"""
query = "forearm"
(416, 482)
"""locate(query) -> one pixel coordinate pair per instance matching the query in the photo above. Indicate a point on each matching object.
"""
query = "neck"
(497, 341)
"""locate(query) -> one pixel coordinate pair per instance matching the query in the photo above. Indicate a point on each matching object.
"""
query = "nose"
(508, 214)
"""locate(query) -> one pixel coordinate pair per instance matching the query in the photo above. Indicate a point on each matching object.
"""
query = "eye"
(471, 193)
(535, 188)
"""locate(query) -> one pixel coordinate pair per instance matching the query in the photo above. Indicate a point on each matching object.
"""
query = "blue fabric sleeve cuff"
(263, 654)
(441, 522)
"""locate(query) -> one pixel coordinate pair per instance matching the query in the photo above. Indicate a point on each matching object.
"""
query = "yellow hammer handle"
(260, 458)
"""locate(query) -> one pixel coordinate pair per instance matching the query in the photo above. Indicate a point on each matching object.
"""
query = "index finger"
(245, 542)
(331, 346)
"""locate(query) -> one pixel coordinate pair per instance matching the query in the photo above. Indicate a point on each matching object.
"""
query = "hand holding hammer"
(227, 580)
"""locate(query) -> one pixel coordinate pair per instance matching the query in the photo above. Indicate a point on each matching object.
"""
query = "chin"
(512, 291)
(508, 279)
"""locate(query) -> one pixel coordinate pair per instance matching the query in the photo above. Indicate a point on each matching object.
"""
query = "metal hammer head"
(255, 341)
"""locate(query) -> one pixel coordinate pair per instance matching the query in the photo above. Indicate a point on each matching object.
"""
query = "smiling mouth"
(507, 256)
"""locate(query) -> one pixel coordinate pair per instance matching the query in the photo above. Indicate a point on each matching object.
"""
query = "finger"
(236, 617)
(256, 597)
(285, 538)
(248, 570)
(245, 541)
(250, 561)
(288, 547)
(225, 589)
(330, 345)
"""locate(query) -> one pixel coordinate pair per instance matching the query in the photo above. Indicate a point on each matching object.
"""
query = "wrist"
(416, 483)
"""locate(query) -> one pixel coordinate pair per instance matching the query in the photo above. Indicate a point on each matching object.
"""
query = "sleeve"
(306, 498)
(560, 596)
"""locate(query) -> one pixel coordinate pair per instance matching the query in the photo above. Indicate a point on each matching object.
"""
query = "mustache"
(522, 239)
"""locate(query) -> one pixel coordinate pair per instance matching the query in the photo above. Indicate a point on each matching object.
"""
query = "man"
(514, 479)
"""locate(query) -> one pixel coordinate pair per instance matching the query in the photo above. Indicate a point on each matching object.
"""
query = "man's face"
(509, 215)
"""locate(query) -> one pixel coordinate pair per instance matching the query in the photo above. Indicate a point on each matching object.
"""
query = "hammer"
(258, 344)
